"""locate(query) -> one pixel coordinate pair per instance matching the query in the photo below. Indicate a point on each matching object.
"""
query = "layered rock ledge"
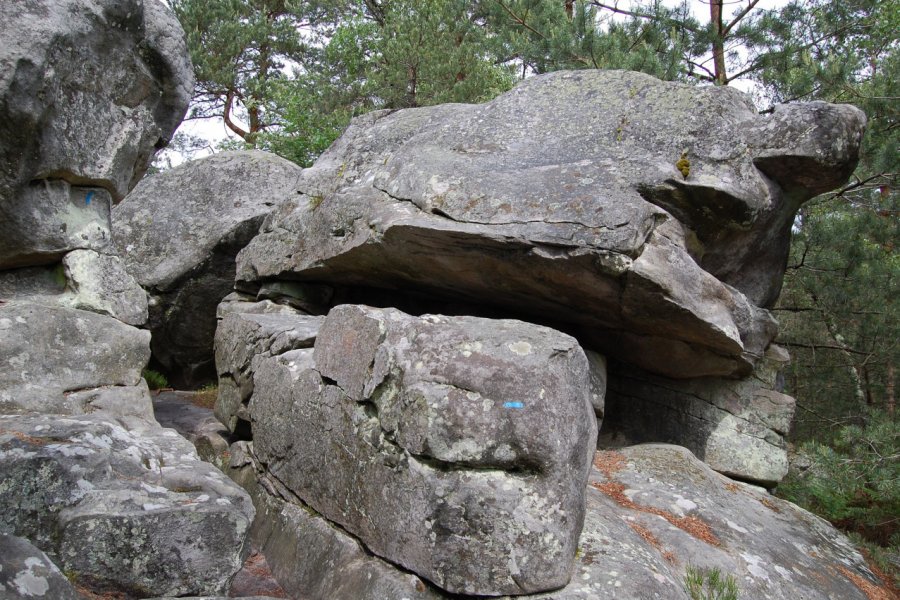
(560, 201)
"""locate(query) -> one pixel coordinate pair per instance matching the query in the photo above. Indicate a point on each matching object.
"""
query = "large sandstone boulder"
(49, 352)
(735, 427)
(560, 201)
(310, 556)
(651, 512)
(455, 446)
(89, 90)
(179, 232)
(121, 505)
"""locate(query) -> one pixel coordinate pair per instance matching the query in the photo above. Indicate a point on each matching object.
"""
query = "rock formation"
(416, 355)
(89, 89)
(437, 423)
(650, 511)
(179, 232)
(377, 439)
(560, 201)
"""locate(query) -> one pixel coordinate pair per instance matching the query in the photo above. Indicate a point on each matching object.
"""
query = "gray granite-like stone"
(736, 427)
(89, 90)
(49, 351)
(456, 447)
(538, 205)
(244, 339)
(121, 505)
(26, 573)
(178, 233)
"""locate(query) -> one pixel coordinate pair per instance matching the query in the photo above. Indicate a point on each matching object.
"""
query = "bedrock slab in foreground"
(457, 447)
(651, 511)
(560, 201)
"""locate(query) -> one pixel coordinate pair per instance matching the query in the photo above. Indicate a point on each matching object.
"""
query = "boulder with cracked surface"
(86, 280)
(651, 511)
(309, 555)
(432, 440)
(49, 352)
(178, 233)
(89, 90)
(735, 427)
(539, 205)
(243, 339)
(73, 484)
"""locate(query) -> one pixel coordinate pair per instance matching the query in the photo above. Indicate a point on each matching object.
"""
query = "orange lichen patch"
(609, 462)
(694, 526)
(732, 487)
(770, 505)
(670, 557)
(29, 439)
(691, 525)
(872, 591)
(888, 581)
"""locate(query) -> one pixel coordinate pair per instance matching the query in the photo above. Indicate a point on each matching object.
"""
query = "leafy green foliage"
(155, 380)
(855, 483)
(709, 584)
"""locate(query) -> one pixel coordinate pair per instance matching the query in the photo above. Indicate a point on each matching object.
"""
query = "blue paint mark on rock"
(88, 199)
(513, 405)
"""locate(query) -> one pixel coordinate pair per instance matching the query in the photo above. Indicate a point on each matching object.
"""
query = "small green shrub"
(155, 380)
(709, 584)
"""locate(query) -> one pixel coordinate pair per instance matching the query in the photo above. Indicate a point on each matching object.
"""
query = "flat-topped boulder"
(457, 447)
(50, 352)
(562, 201)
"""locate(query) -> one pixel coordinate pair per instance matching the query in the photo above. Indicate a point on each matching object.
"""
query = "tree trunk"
(718, 41)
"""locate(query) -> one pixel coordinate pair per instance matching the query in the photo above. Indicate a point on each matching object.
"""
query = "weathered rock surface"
(86, 280)
(197, 424)
(26, 573)
(651, 511)
(179, 232)
(121, 506)
(433, 440)
(655, 509)
(735, 427)
(245, 339)
(541, 205)
(48, 352)
(310, 556)
(89, 89)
